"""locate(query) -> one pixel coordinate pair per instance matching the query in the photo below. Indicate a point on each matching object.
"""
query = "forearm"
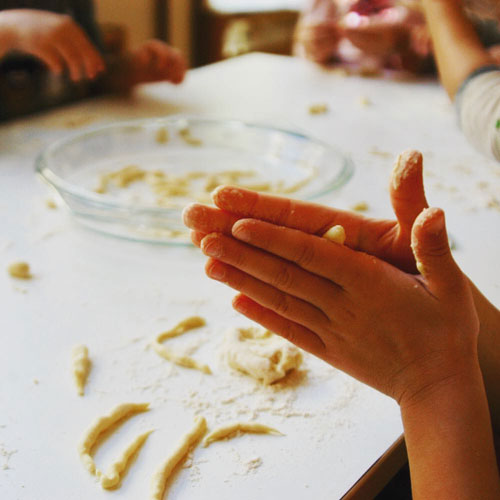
(449, 442)
(7, 35)
(457, 48)
(489, 353)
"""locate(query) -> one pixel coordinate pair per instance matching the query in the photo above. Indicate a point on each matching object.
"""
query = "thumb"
(431, 249)
(407, 189)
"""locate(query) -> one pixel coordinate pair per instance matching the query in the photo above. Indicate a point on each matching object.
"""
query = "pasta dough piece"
(182, 327)
(160, 477)
(81, 366)
(236, 428)
(120, 178)
(260, 353)
(318, 109)
(162, 136)
(100, 426)
(114, 474)
(185, 134)
(335, 234)
(20, 270)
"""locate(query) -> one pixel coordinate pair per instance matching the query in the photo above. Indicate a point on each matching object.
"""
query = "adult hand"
(53, 38)
(386, 239)
(155, 61)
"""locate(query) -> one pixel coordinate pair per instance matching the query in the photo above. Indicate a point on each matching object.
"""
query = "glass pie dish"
(132, 179)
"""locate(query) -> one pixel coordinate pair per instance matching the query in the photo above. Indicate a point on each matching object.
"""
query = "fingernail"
(216, 271)
(433, 220)
(211, 245)
(241, 231)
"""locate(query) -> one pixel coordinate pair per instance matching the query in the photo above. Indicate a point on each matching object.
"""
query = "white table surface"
(115, 296)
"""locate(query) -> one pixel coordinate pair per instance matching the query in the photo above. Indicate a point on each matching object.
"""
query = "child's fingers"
(316, 255)
(308, 217)
(72, 58)
(407, 189)
(50, 56)
(295, 333)
(278, 273)
(208, 219)
(433, 254)
(282, 303)
(92, 60)
(196, 237)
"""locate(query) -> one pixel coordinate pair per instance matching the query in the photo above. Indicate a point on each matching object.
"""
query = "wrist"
(448, 429)
(430, 389)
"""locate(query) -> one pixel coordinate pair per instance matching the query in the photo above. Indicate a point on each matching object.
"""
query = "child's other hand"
(318, 41)
(388, 240)
(156, 61)
(402, 334)
(53, 38)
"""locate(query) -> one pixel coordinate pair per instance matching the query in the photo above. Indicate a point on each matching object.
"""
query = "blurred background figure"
(52, 51)
(376, 34)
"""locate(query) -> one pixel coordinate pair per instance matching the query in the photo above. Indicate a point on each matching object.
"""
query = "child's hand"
(397, 332)
(386, 239)
(156, 61)
(318, 41)
(54, 38)
(318, 33)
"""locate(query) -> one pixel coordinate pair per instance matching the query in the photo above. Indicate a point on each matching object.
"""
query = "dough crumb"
(253, 464)
(318, 109)
(383, 154)
(50, 203)
(162, 136)
(360, 206)
(260, 354)
(81, 365)
(365, 101)
(20, 270)
(335, 234)
(185, 134)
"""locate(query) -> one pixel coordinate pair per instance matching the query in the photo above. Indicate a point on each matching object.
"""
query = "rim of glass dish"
(43, 168)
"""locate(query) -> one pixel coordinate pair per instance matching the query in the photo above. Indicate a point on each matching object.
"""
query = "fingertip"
(429, 240)
(431, 220)
(215, 269)
(407, 163)
(198, 216)
(241, 303)
(217, 194)
(226, 196)
(187, 214)
(196, 237)
(209, 244)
